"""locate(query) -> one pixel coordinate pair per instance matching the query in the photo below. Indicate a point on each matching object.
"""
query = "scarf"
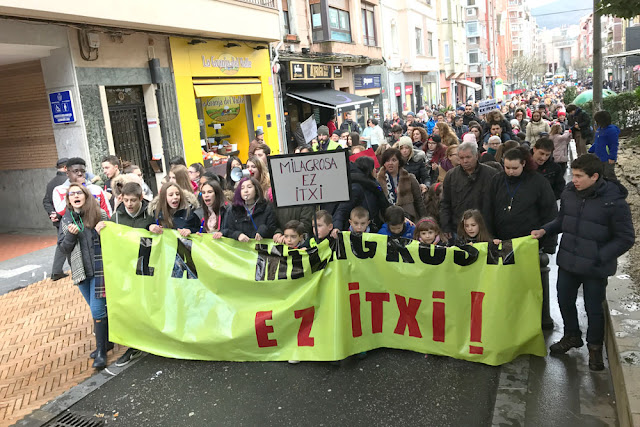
(429, 155)
(98, 271)
(491, 151)
(588, 193)
(392, 194)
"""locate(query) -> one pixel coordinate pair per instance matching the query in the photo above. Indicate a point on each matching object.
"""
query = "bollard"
(547, 321)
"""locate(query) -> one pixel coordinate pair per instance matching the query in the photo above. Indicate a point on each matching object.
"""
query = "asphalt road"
(389, 387)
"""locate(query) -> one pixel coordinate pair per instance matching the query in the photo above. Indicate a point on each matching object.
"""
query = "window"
(471, 2)
(472, 29)
(474, 57)
(394, 37)
(430, 43)
(368, 25)
(316, 23)
(339, 25)
(473, 40)
(445, 11)
(447, 54)
(471, 11)
(287, 30)
(419, 41)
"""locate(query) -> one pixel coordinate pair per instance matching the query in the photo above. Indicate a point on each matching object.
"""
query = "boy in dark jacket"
(542, 150)
(596, 227)
(132, 212)
(396, 224)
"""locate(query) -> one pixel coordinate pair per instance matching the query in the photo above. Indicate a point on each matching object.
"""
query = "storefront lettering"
(319, 71)
(228, 64)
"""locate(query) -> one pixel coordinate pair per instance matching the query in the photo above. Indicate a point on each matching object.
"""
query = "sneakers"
(294, 362)
(595, 357)
(128, 356)
(565, 344)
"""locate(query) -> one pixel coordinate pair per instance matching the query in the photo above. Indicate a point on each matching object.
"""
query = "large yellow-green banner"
(206, 299)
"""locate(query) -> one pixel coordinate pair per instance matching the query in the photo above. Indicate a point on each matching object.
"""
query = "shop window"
(339, 25)
(368, 26)
(419, 50)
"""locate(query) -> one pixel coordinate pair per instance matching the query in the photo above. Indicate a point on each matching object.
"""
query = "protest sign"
(485, 106)
(309, 178)
(309, 129)
(259, 301)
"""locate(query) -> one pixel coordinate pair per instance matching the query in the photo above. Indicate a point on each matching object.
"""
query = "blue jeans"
(594, 290)
(98, 306)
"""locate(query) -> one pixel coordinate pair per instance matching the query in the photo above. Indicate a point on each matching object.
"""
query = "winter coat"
(407, 231)
(350, 126)
(534, 129)
(554, 174)
(182, 218)
(81, 248)
(605, 143)
(223, 212)
(60, 192)
(47, 201)
(532, 204)
(583, 120)
(143, 220)
(507, 130)
(460, 130)
(409, 196)
(467, 119)
(462, 191)
(365, 192)
(430, 125)
(561, 146)
(304, 214)
(238, 221)
(596, 229)
(416, 166)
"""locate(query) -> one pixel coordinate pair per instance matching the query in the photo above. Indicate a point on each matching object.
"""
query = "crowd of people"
(444, 178)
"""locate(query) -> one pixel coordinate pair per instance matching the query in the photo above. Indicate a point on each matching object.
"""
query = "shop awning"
(472, 85)
(227, 87)
(329, 98)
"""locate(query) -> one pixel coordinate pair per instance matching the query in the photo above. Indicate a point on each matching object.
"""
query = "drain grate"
(70, 419)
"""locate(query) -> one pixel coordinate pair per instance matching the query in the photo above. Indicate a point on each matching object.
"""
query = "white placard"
(309, 129)
(485, 106)
(309, 178)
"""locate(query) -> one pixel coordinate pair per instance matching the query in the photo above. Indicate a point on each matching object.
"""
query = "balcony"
(271, 4)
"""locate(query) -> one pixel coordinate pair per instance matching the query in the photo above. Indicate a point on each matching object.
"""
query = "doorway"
(128, 119)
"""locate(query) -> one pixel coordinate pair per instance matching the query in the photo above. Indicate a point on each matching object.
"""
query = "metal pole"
(484, 79)
(597, 59)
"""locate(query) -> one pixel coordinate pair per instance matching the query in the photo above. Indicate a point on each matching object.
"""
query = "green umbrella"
(587, 96)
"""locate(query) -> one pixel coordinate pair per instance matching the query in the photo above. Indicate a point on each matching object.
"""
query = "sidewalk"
(45, 333)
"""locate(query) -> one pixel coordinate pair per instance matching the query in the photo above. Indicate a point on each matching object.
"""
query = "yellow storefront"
(225, 93)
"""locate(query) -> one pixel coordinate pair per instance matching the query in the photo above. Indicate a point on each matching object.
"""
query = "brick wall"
(26, 133)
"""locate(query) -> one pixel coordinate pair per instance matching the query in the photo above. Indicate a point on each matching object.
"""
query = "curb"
(52, 409)
(622, 339)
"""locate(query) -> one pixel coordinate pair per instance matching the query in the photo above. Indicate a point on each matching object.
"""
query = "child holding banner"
(250, 217)
(322, 227)
(359, 220)
(213, 208)
(174, 208)
(396, 225)
(472, 229)
(428, 232)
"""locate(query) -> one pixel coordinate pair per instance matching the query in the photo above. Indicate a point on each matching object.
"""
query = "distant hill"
(559, 13)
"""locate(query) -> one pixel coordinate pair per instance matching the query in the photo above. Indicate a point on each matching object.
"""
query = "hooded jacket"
(596, 229)
(416, 166)
(532, 204)
(560, 146)
(142, 220)
(605, 143)
(365, 192)
(535, 128)
(583, 120)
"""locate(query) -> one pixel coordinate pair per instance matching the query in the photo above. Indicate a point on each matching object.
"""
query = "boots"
(595, 357)
(547, 321)
(110, 345)
(101, 327)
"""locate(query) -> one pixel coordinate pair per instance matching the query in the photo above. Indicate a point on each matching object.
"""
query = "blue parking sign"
(62, 107)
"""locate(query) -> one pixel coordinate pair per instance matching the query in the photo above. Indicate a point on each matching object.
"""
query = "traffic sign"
(62, 107)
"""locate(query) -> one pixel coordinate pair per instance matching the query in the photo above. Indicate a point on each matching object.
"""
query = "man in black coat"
(547, 167)
(464, 187)
(47, 202)
(595, 222)
(580, 124)
(469, 115)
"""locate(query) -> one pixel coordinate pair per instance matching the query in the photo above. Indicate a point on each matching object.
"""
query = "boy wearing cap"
(47, 202)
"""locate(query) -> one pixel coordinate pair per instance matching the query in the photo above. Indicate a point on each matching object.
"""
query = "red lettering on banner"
(304, 338)
(476, 322)
(407, 317)
(438, 319)
(263, 330)
(354, 303)
(376, 299)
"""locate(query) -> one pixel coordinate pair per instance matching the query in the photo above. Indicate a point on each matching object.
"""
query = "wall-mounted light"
(195, 42)
(231, 44)
(260, 47)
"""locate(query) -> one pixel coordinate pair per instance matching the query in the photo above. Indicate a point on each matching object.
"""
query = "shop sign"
(408, 89)
(62, 107)
(314, 71)
(398, 90)
(223, 108)
(228, 64)
(367, 81)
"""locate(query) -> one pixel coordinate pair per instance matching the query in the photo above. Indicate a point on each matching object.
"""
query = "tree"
(582, 66)
(620, 8)
(521, 69)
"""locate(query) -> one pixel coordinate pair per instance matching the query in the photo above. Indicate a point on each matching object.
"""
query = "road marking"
(7, 274)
